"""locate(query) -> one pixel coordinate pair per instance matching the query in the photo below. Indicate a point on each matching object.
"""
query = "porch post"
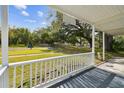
(4, 41)
(4, 34)
(93, 39)
(93, 44)
(103, 51)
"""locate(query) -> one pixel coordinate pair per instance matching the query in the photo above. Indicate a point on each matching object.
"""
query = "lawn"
(24, 54)
(16, 55)
(25, 51)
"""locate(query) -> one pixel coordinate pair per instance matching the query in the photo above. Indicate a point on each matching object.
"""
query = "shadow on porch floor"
(92, 78)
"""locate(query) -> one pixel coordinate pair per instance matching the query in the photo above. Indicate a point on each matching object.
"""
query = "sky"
(31, 16)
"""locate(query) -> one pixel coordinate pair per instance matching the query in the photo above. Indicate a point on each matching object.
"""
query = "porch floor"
(92, 78)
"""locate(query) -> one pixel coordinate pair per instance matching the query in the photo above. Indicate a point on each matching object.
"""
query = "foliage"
(118, 43)
(77, 33)
(19, 36)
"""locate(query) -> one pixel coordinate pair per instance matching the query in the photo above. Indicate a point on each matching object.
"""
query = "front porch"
(70, 71)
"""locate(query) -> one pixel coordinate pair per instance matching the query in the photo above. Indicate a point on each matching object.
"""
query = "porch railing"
(3, 77)
(41, 72)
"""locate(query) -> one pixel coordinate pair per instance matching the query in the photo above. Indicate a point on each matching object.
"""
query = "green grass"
(39, 50)
(68, 49)
(113, 54)
(25, 58)
(43, 52)
(24, 51)
(110, 55)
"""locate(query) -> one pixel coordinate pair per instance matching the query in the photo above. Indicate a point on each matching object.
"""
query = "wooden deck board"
(93, 78)
(86, 82)
(69, 85)
(95, 81)
(117, 82)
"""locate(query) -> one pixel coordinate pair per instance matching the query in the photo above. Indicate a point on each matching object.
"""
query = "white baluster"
(45, 71)
(57, 67)
(82, 61)
(53, 68)
(40, 72)
(63, 66)
(30, 75)
(54, 64)
(22, 76)
(14, 78)
(78, 61)
(68, 65)
(49, 70)
(1, 82)
(73, 63)
(36, 74)
(66, 62)
(60, 66)
(77, 65)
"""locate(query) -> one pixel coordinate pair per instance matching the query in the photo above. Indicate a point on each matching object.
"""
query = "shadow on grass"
(66, 49)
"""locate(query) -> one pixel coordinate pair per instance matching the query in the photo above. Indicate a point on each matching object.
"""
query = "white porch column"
(4, 41)
(93, 44)
(103, 51)
(4, 34)
(93, 39)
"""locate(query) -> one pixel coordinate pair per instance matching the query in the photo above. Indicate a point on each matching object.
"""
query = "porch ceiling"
(107, 18)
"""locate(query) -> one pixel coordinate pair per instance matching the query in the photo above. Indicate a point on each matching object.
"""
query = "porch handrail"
(3, 76)
(45, 59)
(2, 70)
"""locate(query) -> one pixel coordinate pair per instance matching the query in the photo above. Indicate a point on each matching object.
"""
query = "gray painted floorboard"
(93, 78)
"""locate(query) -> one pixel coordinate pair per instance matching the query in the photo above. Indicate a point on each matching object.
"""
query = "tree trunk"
(108, 42)
(90, 42)
(80, 42)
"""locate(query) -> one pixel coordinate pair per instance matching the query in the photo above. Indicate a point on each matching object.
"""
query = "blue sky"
(31, 17)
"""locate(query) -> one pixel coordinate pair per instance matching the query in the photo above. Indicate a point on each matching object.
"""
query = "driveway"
(115, 65)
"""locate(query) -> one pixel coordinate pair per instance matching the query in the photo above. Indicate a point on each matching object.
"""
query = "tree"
(98, 39)
(19, 36)
(118, 42)
(56, 24)
(108, 42)
(80, 31)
